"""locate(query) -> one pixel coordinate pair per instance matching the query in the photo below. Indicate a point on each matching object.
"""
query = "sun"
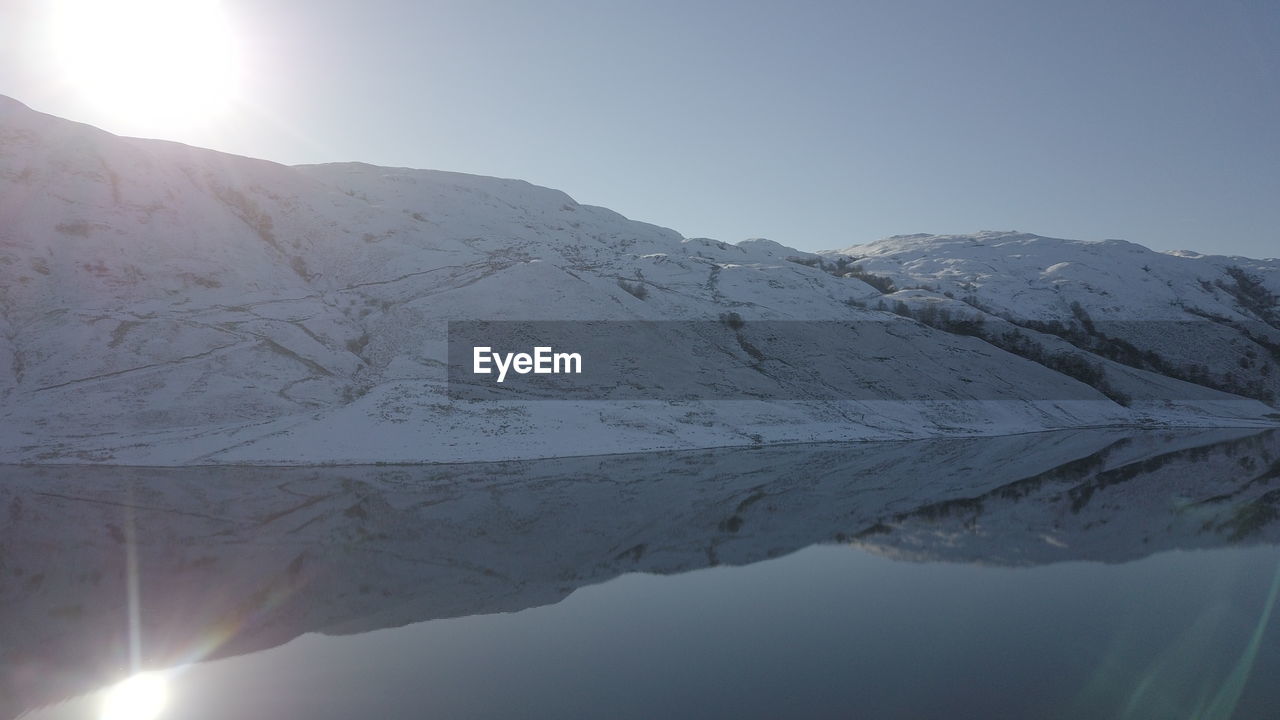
(162, 64)
(141, 697)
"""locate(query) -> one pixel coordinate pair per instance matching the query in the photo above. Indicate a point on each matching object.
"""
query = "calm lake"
(1082, 574)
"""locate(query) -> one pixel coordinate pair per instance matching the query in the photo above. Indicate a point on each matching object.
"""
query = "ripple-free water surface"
(1067, 575)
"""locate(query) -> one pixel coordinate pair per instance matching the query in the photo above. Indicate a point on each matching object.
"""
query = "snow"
(168, 305)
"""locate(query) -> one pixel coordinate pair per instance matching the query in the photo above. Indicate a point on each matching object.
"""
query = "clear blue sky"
(817, 124)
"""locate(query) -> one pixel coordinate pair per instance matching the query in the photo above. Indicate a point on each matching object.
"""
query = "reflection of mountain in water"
(1094, 508)
(232, 561)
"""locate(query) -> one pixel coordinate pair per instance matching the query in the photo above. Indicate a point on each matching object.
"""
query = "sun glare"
(141, 697)
(153, 63)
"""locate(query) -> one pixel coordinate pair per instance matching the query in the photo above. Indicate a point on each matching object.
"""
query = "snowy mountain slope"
(161, 304)
(235, 560)
(1213, 320)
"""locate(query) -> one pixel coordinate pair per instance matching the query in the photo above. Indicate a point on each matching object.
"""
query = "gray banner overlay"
(735, 359)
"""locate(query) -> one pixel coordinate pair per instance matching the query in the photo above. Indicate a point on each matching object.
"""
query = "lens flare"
(141, 697)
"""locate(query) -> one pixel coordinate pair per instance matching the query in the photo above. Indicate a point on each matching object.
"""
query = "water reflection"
(236, 562)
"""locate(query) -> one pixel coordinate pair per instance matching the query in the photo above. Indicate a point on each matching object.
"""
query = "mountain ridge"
(162, 304)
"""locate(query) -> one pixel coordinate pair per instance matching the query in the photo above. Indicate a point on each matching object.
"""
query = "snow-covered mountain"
(235, 560)
(162, 304)
(1212, 320)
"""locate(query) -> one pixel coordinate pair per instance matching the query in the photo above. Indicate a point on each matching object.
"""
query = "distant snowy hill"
(162, 304)
(1212, 320)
